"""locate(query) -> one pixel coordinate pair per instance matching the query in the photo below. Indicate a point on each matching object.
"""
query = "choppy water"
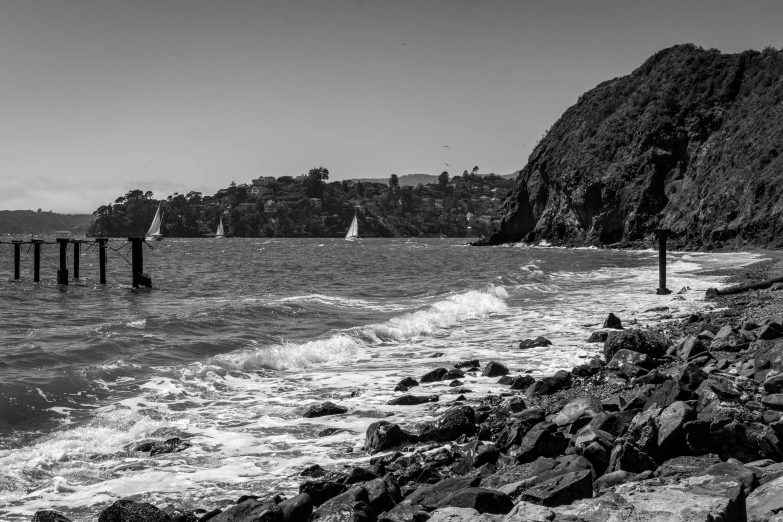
(239, 334)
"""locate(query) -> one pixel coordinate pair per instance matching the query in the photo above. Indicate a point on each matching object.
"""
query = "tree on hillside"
(315, 181)
(394, 181)
(443, 179)
(318, 174)
(475, 169)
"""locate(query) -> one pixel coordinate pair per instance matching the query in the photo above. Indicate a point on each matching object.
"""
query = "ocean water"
(239, 335)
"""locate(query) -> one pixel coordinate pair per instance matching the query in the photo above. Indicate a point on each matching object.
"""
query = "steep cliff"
(690, 141)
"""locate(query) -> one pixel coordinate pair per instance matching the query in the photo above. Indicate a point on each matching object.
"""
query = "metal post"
(17, 257)
(37, 260)
(102, 259)
(662, 234)
(62, 273)
(77, 246)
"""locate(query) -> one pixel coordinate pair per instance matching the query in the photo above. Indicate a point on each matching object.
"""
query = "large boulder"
(456, 421)
(581, 409)
(429, 497)
(534, 343)
(769, 356)
(691, 347)
(383, 435)
(323, 409)
(766, 501)
(543, 440)
(729, 339)
(642, 341)
(481, 499)
(412, 400)
(297, 508)
(49, 516)
(624, 357)
(130, 511)
(563, 489)
(351, 506)
(692, 499)
(549, 385)
(321, 491)
(628, 457)
(671, 428)
(434, 375)
(458, 514)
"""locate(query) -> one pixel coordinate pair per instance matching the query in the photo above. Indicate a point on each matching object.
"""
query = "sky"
(103, 96)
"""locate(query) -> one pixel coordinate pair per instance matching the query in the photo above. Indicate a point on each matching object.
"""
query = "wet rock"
(534, 343)
(527, 512)
(642, 341)
(412, 400)
(405, 513)
(610, 480)
(323, 409)
(455, 383)
(631, 371)
(691, 377)
(549, 385)
(615, 423)
(597, 337)
(623, 357)
(49, 516)
(667, 394)
(297, 509)
(505, 380)
(173, 445)
(481, 499)
(580, 409)
(723, 387)
(453, 374)
(766, 501)
(472, 363)
(407, 383)
(359, 474)
(434, 375)
(686, 466)
(456, 514)
(130, 511)
(353, 506)
(321, 490)
(612, 321)
(383, 435)
(251, 511)
(736, 471)
(628, 457)
(693, 499)
(770, 332)
(563, 489)
(521, 382)
(542, 440)
(587, 369)
(382, 494)
(313, 471)
(327, 432)
(456, 421)
(494, 369)
(773, 401)
(769, 356)
(430, 496)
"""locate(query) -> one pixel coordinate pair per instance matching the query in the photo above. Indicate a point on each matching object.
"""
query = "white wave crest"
(288, 356)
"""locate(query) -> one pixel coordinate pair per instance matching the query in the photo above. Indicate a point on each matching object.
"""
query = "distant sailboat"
(154, 231)
(220, 234)
(353, 232)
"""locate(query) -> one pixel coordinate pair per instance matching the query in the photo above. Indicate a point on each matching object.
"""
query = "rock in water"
(130, 511)
(642, 341)
(494, 369)
(49, 516)
(323, 409)
(612, 321)
(382, 435)
(456, 421)
(534, 343)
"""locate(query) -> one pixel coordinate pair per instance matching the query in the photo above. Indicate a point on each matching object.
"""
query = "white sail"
(353, 232)
(220, 233)
(154, 231)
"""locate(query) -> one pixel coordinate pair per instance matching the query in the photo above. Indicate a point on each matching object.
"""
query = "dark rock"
(671, 427)
(631, 371)
(49, 516)
(549, 385)
(412, 400)
(434, 376)
(770, 332)
(327, 432)
(736, 471)
(610, 480)
(563, 489)
(297, 509)
(691, 347)
(382, 435)
(667, 394)
(627, 457)
(541, 441)
(494, 369)
(505, 380)
(209, 515)
(521, 382)
(691, 377)
(723, 388)
(130, 511)
(623, 357)
(581, 408)
(251, 510)
(729, 339)
(642, 341)
(587, 369)
(774, 384)
(481, 499)
(408, 382)
(686, 466)
(173, 445)
(615, 423)
(383, 494)
(773, 401)
(321, 490)
(769, 356)
(766, 501)
(430, 496)
(454, 373)
(612, 321)
(456, 421)
(351, 506)
(455, 383)
(323, 409)
(359, 474)
(597, 337)
(313, 471)
(472, 363)
(534, 343)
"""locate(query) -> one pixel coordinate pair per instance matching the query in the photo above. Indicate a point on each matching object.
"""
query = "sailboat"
(220, 234)
(353, 232)
(154, 231)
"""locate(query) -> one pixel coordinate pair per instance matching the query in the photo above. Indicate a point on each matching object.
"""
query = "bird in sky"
(447, 164)
(446, 147)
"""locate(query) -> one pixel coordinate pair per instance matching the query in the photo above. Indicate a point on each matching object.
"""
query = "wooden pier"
(138, 277)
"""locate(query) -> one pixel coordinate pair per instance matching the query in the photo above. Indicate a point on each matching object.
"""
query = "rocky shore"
(683, 421)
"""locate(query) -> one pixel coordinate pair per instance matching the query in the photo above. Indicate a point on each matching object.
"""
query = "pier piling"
(17, 257)
(102, 259)
(36, 260)
(77, 246)
(62, 273)
(662, 234)
(137, 263)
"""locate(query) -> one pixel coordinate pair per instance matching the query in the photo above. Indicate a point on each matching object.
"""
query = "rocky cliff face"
(690, 141)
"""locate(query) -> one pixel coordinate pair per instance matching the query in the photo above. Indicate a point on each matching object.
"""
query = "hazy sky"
(100, 96)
